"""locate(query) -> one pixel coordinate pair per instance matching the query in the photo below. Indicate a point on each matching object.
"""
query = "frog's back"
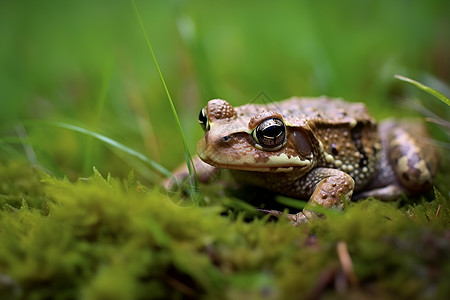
(324, 110)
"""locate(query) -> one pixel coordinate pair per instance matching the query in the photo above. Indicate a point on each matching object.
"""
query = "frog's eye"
(270, 135)
(203, 119)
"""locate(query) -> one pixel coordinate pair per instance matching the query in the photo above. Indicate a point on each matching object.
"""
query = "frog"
(324, 150)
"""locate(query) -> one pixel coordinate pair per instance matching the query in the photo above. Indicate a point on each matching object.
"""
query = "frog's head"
(252, 139)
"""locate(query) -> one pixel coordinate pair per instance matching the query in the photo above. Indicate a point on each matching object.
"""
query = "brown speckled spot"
(333, 149)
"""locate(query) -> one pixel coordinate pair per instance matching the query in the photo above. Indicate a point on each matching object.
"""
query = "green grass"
(85, 67)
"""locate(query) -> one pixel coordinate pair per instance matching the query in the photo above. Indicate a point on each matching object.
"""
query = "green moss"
(107, 238)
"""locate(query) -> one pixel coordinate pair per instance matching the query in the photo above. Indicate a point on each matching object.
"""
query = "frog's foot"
(299, 218)
(295, 219)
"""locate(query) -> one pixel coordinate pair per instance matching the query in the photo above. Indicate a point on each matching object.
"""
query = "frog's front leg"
(204, 172)
(329, 189)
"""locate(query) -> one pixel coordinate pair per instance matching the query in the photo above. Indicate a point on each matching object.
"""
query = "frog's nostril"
(226, 138)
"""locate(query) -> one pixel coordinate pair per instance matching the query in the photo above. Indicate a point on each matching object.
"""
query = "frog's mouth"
(275, 162)
(262, 169)
(256, 167)
(238, 152)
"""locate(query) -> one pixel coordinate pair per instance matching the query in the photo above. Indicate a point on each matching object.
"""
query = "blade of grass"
(425, 88)
(113, 143)
(89, 149)
(193, 176)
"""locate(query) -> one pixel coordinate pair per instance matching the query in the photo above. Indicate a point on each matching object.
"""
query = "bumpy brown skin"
(332, 149)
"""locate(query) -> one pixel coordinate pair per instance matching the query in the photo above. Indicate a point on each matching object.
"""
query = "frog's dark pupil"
(272, 131)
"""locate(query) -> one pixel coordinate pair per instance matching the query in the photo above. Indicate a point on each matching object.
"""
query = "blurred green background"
(87, 63)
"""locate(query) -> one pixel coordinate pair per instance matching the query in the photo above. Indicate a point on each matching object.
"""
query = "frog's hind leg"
(412, 155)
(408, 161)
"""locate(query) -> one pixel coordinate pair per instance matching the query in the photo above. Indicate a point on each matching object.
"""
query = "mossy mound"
(107, 238)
